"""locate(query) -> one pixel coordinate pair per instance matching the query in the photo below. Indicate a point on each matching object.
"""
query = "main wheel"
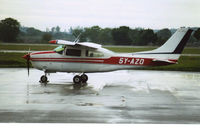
(84, 78)
(43, 79)
(77, 79)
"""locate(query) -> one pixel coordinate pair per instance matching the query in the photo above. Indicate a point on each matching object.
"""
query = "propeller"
(27, 57)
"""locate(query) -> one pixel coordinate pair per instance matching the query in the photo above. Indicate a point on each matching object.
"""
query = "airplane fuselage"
(51, 61)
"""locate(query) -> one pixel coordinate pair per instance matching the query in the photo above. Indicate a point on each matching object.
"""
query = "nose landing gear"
(80, 79)
(43, 78)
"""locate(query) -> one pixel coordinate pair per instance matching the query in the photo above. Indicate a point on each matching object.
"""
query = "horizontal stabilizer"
(167, 61)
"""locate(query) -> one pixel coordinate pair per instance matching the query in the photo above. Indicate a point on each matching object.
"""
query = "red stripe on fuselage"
(111, 60)
(77, 61)
(70, 58)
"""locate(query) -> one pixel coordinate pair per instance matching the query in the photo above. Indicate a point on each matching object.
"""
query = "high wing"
(75, 44)
(89, 45)
(62, 42)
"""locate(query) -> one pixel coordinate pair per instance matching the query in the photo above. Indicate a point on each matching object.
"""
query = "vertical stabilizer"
(176, 43)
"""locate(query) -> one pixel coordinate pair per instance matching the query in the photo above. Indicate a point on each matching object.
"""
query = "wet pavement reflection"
(135, 96)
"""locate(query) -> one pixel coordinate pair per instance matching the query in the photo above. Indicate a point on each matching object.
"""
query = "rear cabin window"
(90, 53)
(73, 52)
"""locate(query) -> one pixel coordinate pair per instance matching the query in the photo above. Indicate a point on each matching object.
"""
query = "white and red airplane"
(86, 57)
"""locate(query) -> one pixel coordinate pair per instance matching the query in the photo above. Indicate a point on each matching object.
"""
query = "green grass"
(185, 63)
(12, 60)
(191, 51)
(26, 47)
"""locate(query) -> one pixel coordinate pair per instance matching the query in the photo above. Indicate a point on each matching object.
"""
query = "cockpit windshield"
(59, 49)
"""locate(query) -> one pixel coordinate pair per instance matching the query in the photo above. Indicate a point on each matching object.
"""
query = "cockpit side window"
(93, 53)
(73, 52)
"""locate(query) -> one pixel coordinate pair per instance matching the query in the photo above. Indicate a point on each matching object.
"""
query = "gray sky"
(154, 14)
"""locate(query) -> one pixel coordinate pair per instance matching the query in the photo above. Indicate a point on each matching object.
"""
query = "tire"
(84, 78)
(43, 79)
(77, 79)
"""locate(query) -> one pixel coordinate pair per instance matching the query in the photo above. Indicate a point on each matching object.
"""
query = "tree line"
(11, 31)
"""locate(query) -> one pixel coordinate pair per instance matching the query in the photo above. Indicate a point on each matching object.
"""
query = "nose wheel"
(43, 79)
(80, 79)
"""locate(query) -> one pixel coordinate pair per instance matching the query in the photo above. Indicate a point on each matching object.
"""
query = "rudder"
(176, 43)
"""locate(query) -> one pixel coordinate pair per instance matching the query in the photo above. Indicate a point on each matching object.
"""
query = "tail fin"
(172, 48)
(176, 43)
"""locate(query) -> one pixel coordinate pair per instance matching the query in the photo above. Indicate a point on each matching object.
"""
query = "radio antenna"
(77, 39)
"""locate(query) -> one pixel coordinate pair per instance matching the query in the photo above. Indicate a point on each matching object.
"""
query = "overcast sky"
(154, 14)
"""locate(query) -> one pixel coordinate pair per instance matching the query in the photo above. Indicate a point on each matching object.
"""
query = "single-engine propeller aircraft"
(87, 57)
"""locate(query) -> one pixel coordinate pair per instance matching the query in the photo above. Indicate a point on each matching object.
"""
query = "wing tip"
(53, 41)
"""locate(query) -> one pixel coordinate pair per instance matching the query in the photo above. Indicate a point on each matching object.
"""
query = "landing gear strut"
(80, 79)
(43, 78)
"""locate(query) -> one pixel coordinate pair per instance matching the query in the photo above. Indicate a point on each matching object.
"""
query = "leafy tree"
(92, 34)
(163, 35)
(149, 36)
(57, 29)
(53, 29)
(33, 32)
(192, 40)
(121, 35)
(47, 29)
(46, 37)
(105, 36)
(135, 35)
(9, 29)
(143, 37)
(197, 34)
(76, 32)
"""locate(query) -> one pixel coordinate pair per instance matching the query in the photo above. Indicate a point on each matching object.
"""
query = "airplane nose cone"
(27, 56)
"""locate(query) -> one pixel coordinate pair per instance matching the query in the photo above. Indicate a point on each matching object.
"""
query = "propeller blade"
(27, 57)
(28, 65)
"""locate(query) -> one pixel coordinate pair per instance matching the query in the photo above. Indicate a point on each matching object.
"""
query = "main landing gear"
(77, 79)
(80, 79)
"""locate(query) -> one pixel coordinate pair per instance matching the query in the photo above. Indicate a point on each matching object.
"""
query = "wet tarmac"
(136, 96)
